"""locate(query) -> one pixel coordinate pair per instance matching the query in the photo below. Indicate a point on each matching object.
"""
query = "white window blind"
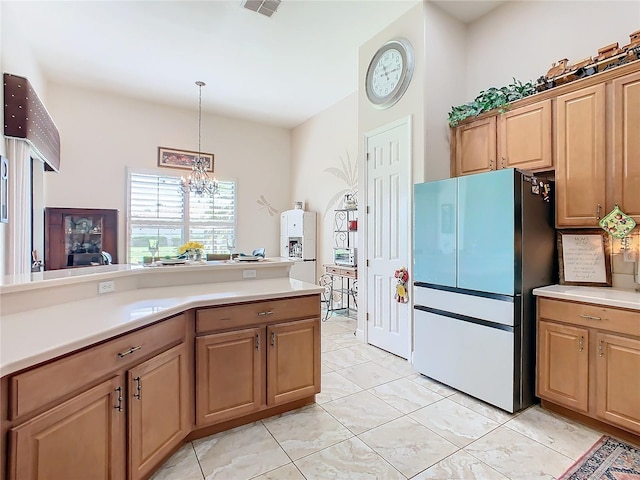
(159, 210)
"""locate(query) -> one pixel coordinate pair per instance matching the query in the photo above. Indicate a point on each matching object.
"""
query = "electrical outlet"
(629, 255)
(248, 274)
(106, 287)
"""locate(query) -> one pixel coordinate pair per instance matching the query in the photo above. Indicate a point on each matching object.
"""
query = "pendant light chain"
(198, 181)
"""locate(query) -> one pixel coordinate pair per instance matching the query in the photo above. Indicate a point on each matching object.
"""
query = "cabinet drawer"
(590, 315)
(35, 388)
(345, 272)
(245, 314)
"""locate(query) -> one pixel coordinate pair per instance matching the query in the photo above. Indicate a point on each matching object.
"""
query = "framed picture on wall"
(4, 190)
(584, 257)
(172, 158)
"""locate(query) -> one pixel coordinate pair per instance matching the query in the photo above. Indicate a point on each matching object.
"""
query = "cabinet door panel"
(293, 361)
(525, 137)
(563, 365)
(581, 154)
(81, 438)
(158, 409)
(618, 381)
(476, 147)
(228, 375)
(626, 145)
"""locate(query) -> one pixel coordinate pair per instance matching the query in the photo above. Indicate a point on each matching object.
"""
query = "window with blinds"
(161, 214)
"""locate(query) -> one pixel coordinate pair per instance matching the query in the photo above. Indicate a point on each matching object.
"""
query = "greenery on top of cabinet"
(490, 99)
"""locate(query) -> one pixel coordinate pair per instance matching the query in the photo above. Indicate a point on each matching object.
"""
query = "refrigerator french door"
(481, 244)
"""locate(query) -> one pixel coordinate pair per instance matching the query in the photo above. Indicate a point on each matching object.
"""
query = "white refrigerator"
(298, 243)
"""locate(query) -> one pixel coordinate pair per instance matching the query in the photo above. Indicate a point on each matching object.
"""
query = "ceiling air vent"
(264, 7)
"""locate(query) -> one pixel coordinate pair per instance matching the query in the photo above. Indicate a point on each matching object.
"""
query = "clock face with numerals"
(389, 73)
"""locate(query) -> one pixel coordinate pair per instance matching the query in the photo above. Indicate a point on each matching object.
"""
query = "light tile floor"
(378, 419)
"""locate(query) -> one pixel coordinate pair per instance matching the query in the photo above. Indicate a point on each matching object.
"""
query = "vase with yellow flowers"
(192, 250)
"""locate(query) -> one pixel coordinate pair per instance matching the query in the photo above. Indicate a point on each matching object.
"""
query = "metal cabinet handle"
(600, 349)
(130, 351)
(138, 388)
(119, 399)
(581, 344)
(273, 339)
(589, 317)
(598, 212)
(257, 341)
(264, 314)
(502, 162)
(491, 164)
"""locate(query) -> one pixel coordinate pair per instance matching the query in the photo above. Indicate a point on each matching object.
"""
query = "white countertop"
(34, 336)
(69, 276)
(612, 297)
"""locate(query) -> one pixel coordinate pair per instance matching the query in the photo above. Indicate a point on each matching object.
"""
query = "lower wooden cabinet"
(618, 380)
(158, 407)
(293, 361)
(247, 370)
(228, 375)
(118, 409)
(588, 360)
(563, 365)
(123, 427)
(81, 438)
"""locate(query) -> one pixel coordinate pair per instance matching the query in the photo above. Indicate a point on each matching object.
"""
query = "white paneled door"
(388, 234)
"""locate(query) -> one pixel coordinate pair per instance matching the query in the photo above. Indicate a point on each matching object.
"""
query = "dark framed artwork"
(4, 190)
(172, 158)
(584, 257)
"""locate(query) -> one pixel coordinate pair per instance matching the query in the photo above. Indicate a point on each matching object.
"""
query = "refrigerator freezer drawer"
(472, 358)
(489, 309)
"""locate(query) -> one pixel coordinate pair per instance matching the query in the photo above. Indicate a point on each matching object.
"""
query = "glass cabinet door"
(83, 240)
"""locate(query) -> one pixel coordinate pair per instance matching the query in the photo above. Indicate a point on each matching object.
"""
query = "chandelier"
(198, 181)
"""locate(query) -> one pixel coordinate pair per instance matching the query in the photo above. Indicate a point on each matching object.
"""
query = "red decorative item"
(402, 294)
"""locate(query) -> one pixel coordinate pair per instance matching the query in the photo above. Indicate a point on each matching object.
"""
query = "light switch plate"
(248, 274)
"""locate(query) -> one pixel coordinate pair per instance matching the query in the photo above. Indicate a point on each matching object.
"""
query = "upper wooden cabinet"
(475, 147)
(585, 130)
(626, 145)
(580, 157)
(519, 138)
(598, 152)
(524, 137)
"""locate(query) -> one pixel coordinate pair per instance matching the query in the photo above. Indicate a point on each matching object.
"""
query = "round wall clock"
(389, 73)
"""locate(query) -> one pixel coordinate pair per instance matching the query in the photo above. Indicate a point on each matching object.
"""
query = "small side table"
(341, 287)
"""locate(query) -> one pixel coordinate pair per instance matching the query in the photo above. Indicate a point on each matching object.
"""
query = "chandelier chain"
(198, 181)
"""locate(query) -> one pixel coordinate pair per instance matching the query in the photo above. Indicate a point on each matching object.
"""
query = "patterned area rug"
(608, 459)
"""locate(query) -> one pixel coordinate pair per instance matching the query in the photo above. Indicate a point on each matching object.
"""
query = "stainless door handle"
(130, 351)
(138, 388)
(119, 399)
(264, 314)
(580, 344)
(589, 317)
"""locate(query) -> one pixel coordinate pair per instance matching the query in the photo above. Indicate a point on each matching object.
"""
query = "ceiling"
(280, 70)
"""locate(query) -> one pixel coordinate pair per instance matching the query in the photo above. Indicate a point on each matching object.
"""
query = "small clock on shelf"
(389, 73)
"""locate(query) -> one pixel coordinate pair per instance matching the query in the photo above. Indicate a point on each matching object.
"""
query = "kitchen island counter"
(35, 335)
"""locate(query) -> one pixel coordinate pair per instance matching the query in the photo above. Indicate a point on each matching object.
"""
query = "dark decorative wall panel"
(26, 117)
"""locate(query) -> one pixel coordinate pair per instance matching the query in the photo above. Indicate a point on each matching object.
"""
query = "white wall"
(445, 62)
(521, 39)
(103, 134)
(322, 143)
